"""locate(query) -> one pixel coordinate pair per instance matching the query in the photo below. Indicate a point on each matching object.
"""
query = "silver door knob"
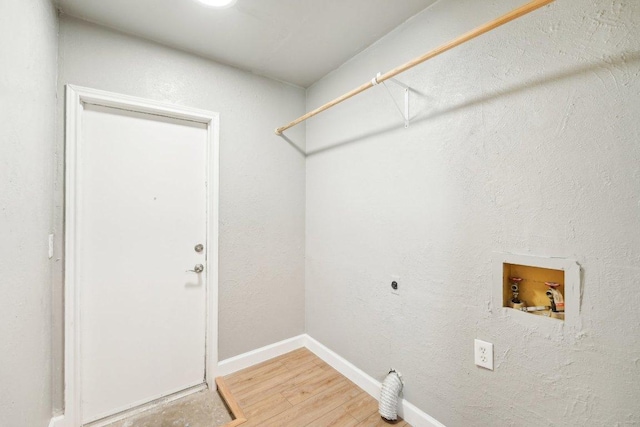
(199, 268)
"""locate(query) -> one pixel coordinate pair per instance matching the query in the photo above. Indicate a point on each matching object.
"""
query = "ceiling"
(297, 41)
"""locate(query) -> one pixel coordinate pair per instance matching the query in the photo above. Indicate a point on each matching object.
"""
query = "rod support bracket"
(406, 89)
(374, 81)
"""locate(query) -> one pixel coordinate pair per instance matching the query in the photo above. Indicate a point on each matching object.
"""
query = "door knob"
(199, 268)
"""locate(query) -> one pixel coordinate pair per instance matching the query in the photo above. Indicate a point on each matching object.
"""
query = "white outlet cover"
(483, 353)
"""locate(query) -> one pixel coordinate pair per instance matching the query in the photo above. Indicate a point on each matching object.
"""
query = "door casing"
(76, 97)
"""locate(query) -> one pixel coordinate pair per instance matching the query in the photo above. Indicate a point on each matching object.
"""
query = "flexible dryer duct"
(391, 388)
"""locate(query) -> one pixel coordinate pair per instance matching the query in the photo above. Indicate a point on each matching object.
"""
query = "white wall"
(525, 140)
(28, 30)
(261, 176)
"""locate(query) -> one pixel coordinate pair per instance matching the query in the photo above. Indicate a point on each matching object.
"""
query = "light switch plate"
(50, 246)
(483, 354)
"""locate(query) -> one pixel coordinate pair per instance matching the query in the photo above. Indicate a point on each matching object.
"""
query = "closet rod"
(514, 14)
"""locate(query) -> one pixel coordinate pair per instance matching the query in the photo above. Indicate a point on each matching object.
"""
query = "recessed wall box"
(524, 288)
(536, 286)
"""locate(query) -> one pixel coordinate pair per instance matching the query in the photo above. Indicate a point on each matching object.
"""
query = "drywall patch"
(565, 271)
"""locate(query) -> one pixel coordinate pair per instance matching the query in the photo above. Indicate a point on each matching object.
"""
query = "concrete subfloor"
(202, 409)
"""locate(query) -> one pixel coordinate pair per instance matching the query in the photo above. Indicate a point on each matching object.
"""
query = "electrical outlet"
(483, 354)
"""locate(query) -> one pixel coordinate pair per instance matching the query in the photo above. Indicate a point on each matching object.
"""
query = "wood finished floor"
(298, 389)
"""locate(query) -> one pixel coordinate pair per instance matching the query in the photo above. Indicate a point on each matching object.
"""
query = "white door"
(141, 210)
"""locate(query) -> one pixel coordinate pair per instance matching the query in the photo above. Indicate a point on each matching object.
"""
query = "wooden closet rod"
(514, 14)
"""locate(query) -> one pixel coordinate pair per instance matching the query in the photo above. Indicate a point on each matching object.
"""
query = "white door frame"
(76, 97)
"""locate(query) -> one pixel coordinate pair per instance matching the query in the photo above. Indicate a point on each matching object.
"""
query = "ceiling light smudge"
(220, 4)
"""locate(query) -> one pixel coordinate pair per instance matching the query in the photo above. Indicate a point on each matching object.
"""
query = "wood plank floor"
(298, 389)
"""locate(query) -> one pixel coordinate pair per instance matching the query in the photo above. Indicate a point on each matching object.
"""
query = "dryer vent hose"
(391, 388)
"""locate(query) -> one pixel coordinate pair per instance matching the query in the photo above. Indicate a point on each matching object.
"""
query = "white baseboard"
(56, 421)
(242, 361)
(410, 413)
(346, 368)
(407, 411)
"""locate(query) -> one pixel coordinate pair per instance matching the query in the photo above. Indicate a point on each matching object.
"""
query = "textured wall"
(28, 54)
(526, 141)
(261, 292)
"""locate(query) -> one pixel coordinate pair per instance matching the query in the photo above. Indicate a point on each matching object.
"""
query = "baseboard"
(410, 413)
(245, 360)
(346, 368)
(57, 421)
